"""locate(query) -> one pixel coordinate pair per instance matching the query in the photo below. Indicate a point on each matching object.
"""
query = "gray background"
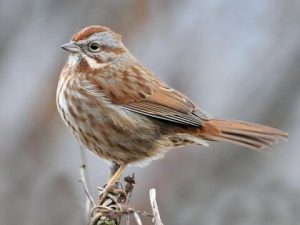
(236, 59)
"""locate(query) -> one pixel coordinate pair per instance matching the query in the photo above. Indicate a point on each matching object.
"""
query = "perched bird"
(122, 112)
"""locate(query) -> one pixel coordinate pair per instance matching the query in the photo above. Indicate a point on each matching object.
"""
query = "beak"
(71, 47)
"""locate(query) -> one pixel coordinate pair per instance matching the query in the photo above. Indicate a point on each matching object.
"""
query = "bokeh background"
(236, 59)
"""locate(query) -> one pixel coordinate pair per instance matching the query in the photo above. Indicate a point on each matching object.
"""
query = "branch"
(89, 202)
(116, 204)
(156, 216)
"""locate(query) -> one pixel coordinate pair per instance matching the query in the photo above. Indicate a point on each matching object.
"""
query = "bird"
(124, 113)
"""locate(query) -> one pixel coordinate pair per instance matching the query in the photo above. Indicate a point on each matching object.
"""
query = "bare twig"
(137, 218)
(115, 204)
(89, 202)
(156, 216)
(89, 198)
(127, 220)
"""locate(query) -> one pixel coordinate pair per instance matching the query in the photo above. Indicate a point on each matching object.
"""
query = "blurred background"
(235, 59)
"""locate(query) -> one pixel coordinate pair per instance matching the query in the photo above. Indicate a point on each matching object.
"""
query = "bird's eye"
(94, 46)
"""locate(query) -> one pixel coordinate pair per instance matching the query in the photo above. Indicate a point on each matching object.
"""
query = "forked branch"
(116, 203)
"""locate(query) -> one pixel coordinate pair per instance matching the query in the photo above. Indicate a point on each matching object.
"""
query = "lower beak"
(70, 47)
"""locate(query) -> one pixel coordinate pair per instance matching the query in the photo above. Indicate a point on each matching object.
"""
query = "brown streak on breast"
(106, 136)
(72, 112)
(95, 83)
(67, 96)
(136, 70)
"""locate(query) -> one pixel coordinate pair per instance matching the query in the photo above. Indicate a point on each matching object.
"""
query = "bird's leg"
(112, 181)
(114, 168)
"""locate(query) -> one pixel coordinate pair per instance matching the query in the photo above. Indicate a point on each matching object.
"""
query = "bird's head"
(97, 45)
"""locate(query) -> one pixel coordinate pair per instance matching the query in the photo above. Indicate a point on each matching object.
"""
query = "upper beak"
(70, 47)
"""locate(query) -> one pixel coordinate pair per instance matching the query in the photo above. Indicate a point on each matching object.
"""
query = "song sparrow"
(122, 112)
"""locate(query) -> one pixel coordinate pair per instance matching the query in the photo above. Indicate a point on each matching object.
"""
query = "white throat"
(74, 59)
(93, 63)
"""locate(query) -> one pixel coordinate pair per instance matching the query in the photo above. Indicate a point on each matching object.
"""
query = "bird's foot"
(105, 191)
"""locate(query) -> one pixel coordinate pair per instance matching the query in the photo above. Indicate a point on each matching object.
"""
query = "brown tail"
(250, 135)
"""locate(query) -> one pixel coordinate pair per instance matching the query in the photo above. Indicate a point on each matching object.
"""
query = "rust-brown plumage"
(122, 112)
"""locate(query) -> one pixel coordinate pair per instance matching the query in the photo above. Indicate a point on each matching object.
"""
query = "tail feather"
(250, 135)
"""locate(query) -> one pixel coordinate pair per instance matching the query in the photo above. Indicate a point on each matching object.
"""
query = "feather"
(146, 95)
(251, 135)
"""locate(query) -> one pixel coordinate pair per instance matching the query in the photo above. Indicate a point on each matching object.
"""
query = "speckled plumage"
(110, 130)
(122, 112)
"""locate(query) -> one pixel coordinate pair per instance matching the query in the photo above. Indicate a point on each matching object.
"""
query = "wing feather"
(148, 96)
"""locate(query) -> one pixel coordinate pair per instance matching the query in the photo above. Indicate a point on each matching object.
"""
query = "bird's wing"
(168, 104)
(148, 96)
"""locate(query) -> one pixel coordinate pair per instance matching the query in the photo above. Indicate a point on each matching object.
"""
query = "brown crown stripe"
(88, 31)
